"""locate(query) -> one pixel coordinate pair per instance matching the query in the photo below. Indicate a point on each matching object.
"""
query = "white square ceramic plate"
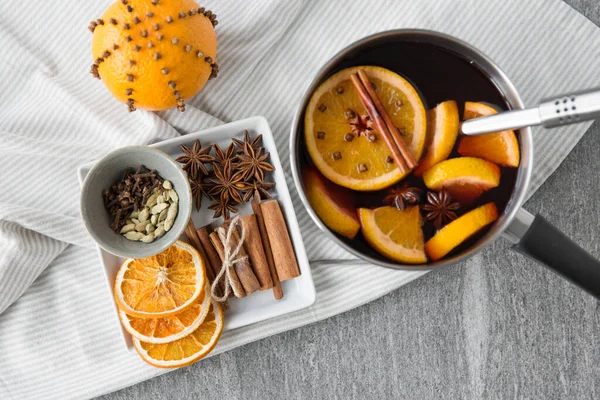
(299, 292)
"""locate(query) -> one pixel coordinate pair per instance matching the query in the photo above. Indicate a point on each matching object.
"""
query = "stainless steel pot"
(530, 235)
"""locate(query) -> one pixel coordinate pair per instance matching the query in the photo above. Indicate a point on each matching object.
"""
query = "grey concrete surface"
(509, 330)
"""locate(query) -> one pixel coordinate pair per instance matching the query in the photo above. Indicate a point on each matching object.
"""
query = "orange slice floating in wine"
(459, 230)
(465, 178)
(500, 147)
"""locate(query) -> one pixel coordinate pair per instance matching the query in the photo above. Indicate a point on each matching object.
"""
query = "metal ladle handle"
(558, 111)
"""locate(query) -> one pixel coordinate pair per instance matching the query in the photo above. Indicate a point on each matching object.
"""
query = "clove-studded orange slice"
(499, 147)
(343, 142)
(162, 285)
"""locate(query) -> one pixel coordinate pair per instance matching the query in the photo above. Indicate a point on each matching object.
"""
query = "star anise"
(195, 158)
(252, 163)
(223, 208)
(227, 184)
(259, 190)
(199, 190)
(255, 143)
(440, 209)
(221, 157)
(403, 196)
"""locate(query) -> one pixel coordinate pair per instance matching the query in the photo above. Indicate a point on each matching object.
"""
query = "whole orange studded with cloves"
(154, 54)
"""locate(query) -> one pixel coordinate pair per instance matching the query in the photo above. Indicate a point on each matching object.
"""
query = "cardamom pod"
(151, 202)
(140, 227)
(129, 222)
(160, 231)
(149, 228)
(160, 199)
(169, 224)
(127, 228)
(134, 214)
(148, 238)
(135, 236)
(162, 216)
(154, 219)
(158, 208)
(173, 195)
(135, 221)
(166, 196)
(167, 185)
(144, 214)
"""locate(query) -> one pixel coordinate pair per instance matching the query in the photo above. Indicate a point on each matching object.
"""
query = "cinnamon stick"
(277, 292)
(190, 232)
(211, 253)
(242, 268)
(256, 252)
(396, 136)
(236, 286)
(279, 238)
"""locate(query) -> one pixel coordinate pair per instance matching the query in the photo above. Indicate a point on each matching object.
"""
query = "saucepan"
(531, 235)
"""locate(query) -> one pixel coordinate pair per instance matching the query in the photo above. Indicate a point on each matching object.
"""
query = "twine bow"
(231, 256)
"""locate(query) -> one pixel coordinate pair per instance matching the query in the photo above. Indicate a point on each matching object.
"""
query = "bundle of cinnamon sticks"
(267, 256)
(401, 154)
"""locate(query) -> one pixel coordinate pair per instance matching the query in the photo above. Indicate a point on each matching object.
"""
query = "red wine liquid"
(438, 75)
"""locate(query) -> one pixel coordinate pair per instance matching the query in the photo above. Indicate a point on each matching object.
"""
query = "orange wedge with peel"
(442, 130)
(465, 178)
(188, 349)
(501, 148)
(394, 234)
(162, 285)
(332, 204)
(344, 143)
(459, 230)
(168, 329)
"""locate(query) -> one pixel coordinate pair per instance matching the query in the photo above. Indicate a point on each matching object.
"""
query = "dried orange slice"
(500, 147)
(332, 204)
(162, 285)
(393, 233)
(442, 129)
(168, 329)
(459, 230)
(342, 141)
(465, 178)
(188, 349)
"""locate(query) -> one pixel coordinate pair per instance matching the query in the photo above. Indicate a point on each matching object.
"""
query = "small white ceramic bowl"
(109, 170)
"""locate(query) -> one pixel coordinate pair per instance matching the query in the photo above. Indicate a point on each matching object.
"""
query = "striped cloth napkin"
(58, 335)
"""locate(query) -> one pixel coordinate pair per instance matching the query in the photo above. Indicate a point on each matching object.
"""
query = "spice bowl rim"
(144, 249)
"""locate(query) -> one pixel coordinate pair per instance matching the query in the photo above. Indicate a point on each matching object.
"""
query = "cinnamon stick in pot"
(236, 286)
(256, 252)
(279, 238)
(277, 291)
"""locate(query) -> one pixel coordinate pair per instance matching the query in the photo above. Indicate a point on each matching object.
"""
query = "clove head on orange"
(153, 54)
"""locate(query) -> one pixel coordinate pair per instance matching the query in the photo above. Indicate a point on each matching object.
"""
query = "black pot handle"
(541, 241)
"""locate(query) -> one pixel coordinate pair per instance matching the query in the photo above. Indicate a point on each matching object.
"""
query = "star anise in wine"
(252, 163)
(199, 190)
(223, 207)
(221, 157)
(440, 208)
(403, 196)
(195, 158)
(227, 184)
(255, 143)
(259, 190)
